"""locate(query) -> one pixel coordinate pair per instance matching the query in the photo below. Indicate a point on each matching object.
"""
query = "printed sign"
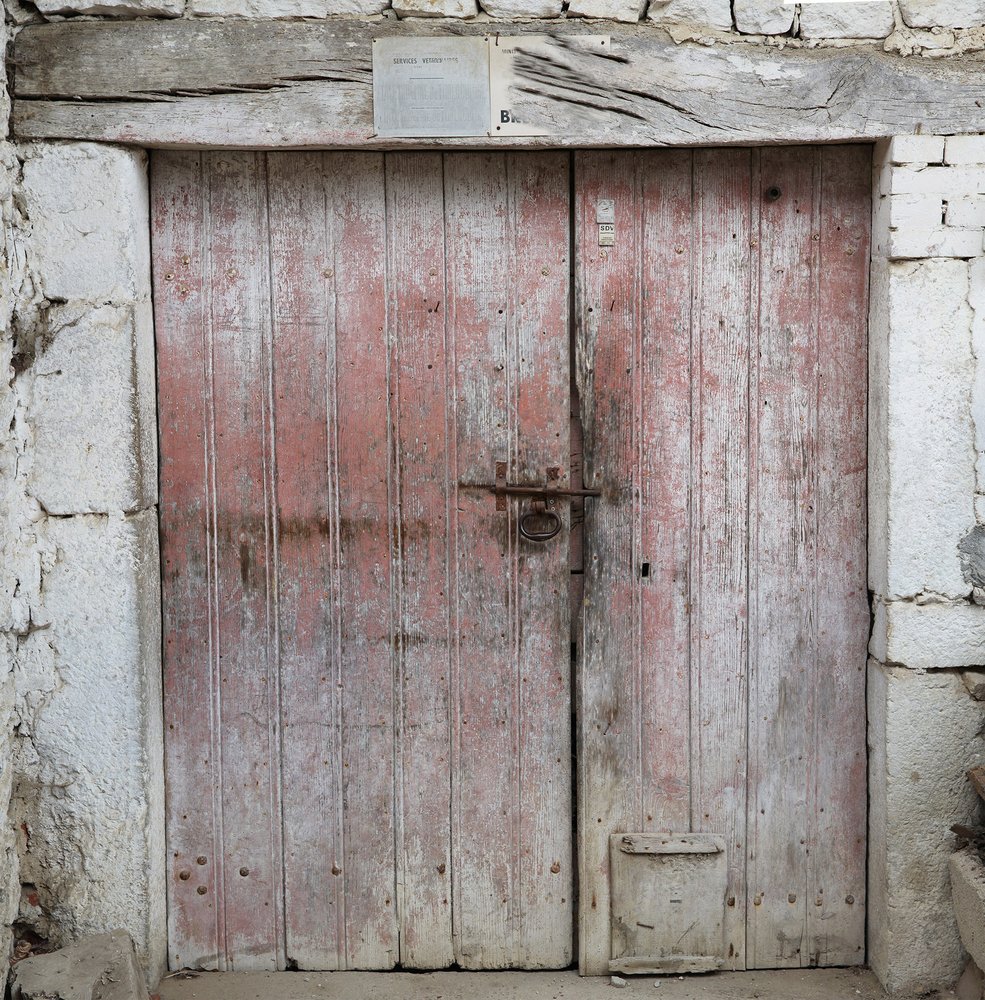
(503, 77)
(431, 86)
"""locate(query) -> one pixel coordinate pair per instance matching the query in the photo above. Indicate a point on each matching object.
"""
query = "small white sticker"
(605, 210)
(607, 234)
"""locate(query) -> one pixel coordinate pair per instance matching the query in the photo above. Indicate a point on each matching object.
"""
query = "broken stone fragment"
(618, 981)
(102, 967)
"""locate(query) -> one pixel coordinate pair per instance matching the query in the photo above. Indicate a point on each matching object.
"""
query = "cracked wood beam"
(243, 84)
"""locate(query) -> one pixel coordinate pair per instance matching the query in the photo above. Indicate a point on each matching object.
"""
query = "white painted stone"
(90, 746)
(435, 8)
(273, 9)
(980, 508)
(947, 181)
(965, 149)
(917, 789)
(915, 149)
(943, 13)
(928, 636)
(846, 20)
(921, 472)
(911, 243)
(509, 9)
(88, 208)
(968, 894)
(94, 411)
(716, 14)
(967, 211)
(976, 299)
(113, 8)
(915, 211)
(763, 17)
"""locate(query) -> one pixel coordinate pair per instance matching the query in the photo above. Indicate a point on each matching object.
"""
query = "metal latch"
(546, 494)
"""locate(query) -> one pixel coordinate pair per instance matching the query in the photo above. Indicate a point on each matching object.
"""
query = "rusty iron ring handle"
(540, 536)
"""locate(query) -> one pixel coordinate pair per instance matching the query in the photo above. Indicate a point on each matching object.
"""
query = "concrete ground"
(819, 984)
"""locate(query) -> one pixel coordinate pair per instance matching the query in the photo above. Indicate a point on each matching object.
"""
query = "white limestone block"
(966, 211)
(97, 826)
(917, 211)
(113, 8)
(915, 148)
(272, 9)
(846, 20)
(943, 13)
(763, 17)
(89, 213)
(715, 14)
(965, 149)
(947, 181)
(922, 458)
(509, 9)
(923, 735)
(435, 8)
(968, 893)
(910, 243)
(94, 411)
(928, 636)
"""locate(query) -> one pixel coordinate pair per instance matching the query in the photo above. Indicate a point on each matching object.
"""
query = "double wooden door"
(383, 748)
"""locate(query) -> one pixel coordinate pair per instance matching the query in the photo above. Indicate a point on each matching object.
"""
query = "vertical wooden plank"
(478, 287)
(836, 907)
(303, 315)
(538, 310)
(247, 665)
(423, 528)
(720, 477)
(661, 388)
(783, 552)
(360, 445)
(608, 322)
(180, 247)
(507, 247)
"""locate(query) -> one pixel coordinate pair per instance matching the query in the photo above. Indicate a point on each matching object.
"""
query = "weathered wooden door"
(722, 369)
(366, 668)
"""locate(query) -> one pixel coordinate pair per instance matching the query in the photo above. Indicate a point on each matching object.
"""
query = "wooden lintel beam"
(253, 84)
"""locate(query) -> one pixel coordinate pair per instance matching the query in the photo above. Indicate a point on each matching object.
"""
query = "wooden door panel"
(369, 705)
(721, 361)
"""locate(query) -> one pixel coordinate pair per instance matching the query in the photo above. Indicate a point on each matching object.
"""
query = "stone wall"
(927, 27)
(927, 411)
(83, 764)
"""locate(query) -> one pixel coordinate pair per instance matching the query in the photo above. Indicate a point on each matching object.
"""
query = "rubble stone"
(101, 967)
(716, 14)
(943, 13)
(846, 20)
(763, 17)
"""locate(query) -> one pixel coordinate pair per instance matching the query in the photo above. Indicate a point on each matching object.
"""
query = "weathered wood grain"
(308, 85)
(712, 346)
(422, 485)
(191, 698)
(363, 660)
(838, 812)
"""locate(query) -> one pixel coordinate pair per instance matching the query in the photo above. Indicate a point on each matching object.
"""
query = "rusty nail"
(792, 898)
(555, 868)
(202, 860)
(336, 870)
(184, 875)
(731, 901)
(849, 900)
(201, 890)
(327, 272)
(169, 276)
(244, 872)
(186, 260)
(545, 271)
(441, 868)
(818, 901)
(758, 900)
(232, 272)
(678, 249)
